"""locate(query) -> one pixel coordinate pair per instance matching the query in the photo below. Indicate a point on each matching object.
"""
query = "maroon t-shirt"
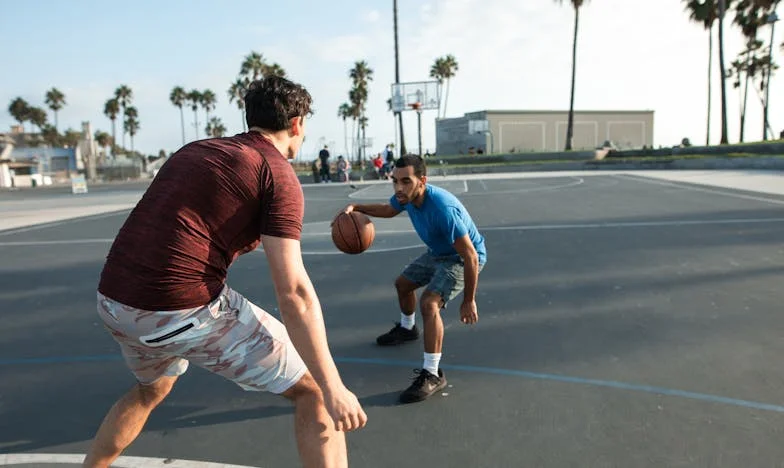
(210, 203)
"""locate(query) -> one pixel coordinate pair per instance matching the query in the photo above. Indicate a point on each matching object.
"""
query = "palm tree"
(274, 70)
(215, 128)
(704, 12)
(19, 110)
(50, 135)
(253, 66)
(178, 98)
(124, 95)
(358, 96)
(208, 101)
(111, 108)
(577, 4)
(103, 140)
(55, 100)
(237, 92)
(131, 123)
(37, 117)
(194, 97)
(443, 69)
(344, 112)
(360, 75)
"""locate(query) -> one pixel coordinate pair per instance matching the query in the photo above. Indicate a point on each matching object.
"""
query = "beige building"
(508, 131)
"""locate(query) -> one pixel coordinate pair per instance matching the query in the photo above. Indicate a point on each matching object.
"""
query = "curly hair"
(272, 102)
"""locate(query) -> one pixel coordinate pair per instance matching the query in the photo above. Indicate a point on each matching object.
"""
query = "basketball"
(353, 233)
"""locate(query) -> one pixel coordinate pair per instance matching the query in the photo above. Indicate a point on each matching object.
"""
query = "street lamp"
(772, 19)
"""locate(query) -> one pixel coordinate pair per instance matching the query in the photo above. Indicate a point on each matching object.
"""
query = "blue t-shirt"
(440, 221)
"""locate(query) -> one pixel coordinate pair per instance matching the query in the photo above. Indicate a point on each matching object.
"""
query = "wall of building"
(537, 131)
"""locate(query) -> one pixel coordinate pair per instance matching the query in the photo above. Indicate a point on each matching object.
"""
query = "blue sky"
(512, 54)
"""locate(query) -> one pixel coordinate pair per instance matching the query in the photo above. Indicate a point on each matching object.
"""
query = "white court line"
(121, 462)
(465, 186)
(483, 184)
(65, 221)
(354, 194)
(634, 224)
(690, 186)
(525, 227)
(578, 181)
(56, 242)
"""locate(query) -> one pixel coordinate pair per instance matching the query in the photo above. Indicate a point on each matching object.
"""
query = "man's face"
(407, 185)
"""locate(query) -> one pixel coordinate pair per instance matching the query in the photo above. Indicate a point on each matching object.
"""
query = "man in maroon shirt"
(162, 293)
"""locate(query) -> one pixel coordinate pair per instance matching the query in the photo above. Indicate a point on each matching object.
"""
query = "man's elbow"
(294, 303)
(470, 257)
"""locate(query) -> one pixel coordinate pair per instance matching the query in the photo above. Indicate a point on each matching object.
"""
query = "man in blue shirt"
(455, 255)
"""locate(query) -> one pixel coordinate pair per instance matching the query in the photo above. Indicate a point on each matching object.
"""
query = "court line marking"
(575, 182)
(45, 225)
(530, 227)
(121, 462)
(618, 385)
(693, 186)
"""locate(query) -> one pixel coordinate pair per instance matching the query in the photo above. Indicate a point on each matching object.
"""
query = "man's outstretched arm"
(302, 316)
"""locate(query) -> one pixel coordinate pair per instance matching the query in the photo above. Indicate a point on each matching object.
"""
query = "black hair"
(415, 161)
(272, 102)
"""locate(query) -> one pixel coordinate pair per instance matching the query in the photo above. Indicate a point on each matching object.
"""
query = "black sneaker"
(425, 384)
(398, 335)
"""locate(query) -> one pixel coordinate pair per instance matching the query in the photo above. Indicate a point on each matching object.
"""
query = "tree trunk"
(114, 138)
(345, 138)
(766, 122)
(182, 124)
(724, 137)
(710, 81)
(399, 115)
(745, 99)
(446, 96)
(570, 124)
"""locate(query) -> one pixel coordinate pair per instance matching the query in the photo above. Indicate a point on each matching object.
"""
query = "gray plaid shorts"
(441, 274)
(230, 336)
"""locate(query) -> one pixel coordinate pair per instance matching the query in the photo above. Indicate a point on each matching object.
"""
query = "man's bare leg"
(320, 445)
(125, 421)
(406, 294)
(430, 305)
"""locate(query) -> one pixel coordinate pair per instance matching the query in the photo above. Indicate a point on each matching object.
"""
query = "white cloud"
(371, 16)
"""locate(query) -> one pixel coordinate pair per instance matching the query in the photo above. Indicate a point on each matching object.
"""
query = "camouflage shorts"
(231, 337)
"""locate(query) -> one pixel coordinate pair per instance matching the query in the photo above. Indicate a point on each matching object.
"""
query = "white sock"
(431, 362)
(407, 321)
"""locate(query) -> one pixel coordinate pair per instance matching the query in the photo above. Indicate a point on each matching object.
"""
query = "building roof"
(576, 111)
(32, 152)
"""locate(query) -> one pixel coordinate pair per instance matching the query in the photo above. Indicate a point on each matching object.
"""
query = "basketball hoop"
(416, 106)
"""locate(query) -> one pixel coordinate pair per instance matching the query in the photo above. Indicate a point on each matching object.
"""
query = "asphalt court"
(625, 320)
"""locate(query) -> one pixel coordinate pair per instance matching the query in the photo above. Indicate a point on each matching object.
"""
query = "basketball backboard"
(405, 95)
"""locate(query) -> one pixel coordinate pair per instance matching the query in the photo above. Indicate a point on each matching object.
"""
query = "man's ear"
(296, 125)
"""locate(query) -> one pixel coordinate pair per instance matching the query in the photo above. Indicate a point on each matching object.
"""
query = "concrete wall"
(542, 131)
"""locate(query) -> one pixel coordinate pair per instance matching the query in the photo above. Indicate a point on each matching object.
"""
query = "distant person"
(342, 168)
(324, 157)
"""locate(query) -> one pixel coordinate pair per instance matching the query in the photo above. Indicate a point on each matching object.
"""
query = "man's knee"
(154, 393)
(305, 388)
(405, 285)
(430, 304)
